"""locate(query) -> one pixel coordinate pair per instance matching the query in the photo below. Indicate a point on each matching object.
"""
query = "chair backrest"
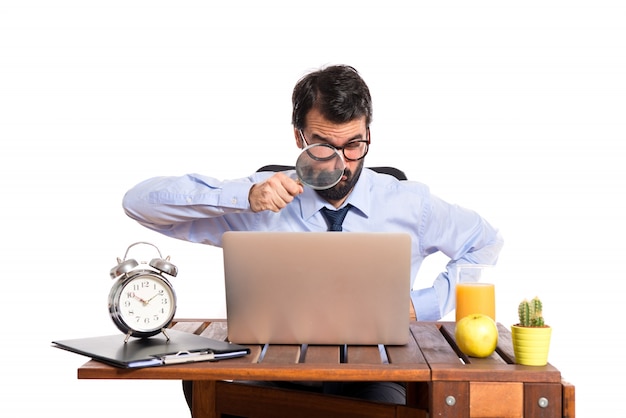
(392, 171)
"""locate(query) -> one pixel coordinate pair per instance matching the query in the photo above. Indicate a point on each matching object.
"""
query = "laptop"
(317, 287)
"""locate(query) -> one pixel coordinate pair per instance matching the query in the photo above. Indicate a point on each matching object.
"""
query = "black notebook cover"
(182, 347)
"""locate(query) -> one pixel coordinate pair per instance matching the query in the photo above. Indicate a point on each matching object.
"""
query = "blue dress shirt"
(200, 209)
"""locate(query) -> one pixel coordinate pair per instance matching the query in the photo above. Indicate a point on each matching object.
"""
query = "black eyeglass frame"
(342, 149)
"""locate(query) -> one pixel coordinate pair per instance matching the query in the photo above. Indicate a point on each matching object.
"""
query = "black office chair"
(392, 171)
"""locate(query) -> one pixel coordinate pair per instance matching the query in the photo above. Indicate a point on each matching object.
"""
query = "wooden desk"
(455, 385)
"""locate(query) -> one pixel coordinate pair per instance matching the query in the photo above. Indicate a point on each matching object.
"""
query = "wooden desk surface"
(430, 355)
(456, 385)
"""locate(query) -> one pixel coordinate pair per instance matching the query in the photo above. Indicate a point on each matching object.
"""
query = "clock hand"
(148, 301)
(140, 299)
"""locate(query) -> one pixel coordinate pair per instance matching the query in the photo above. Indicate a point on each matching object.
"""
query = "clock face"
(144, 304)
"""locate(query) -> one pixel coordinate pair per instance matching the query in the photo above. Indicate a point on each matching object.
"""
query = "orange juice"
(474, 298)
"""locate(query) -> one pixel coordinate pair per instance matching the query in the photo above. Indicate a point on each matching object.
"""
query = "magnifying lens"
(320, 166)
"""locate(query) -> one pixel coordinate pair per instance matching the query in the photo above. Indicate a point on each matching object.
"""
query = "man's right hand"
(274, 193)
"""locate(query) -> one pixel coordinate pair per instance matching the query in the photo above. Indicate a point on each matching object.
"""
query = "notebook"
(182, 347)
(317, 287)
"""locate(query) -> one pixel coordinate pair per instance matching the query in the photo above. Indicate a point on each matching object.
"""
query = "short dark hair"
(338, 92)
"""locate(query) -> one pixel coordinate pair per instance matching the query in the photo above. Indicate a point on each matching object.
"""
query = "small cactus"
(530, 314)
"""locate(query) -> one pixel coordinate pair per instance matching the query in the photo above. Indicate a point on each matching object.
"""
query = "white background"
(516, 110)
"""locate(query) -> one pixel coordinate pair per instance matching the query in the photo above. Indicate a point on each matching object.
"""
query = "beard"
(344, 187)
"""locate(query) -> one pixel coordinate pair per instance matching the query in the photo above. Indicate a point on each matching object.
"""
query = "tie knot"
(335, 218)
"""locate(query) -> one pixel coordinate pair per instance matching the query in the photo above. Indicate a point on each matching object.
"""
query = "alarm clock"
(142, 302)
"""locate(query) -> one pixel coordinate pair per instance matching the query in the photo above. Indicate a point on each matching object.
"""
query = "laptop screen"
(317, 287)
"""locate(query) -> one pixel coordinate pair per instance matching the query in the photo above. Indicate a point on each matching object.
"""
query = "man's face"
(320, 130)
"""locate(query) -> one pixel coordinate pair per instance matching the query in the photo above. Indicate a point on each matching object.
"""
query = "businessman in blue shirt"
(331, 106)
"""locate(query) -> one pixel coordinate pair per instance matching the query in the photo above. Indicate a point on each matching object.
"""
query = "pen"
(187, 357)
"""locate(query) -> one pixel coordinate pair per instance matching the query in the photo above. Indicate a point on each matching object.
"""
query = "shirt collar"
(311, 202)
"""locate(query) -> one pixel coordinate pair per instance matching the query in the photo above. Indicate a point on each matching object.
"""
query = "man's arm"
(466, 238)
(183, 206)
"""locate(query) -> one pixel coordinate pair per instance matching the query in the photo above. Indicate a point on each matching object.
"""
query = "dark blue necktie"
(335, 218)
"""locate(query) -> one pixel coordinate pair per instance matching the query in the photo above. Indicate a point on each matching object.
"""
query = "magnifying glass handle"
(295, 178)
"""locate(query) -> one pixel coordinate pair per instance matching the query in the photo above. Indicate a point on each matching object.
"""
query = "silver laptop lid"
(317, 288)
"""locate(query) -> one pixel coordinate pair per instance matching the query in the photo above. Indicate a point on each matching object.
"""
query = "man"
(330, 106)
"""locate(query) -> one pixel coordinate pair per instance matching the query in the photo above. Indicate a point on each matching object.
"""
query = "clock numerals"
(144, 305)
(146, 320)
(144, 284)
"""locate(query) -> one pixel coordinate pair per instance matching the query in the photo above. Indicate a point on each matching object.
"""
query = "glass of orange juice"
(472, 295)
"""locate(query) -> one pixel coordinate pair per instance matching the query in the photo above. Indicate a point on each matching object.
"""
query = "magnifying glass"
(320, 166)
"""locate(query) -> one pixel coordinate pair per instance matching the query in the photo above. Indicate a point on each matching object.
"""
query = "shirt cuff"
(426, 304)
(235, 194)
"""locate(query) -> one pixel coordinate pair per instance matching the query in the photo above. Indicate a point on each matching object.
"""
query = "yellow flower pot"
(531, 344)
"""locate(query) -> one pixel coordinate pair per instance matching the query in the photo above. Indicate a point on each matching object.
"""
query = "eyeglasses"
(352, 151)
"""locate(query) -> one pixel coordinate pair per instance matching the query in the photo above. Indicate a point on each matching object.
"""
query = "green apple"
(476, 335)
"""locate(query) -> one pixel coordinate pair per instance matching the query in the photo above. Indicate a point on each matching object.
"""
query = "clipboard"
(182, 347)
